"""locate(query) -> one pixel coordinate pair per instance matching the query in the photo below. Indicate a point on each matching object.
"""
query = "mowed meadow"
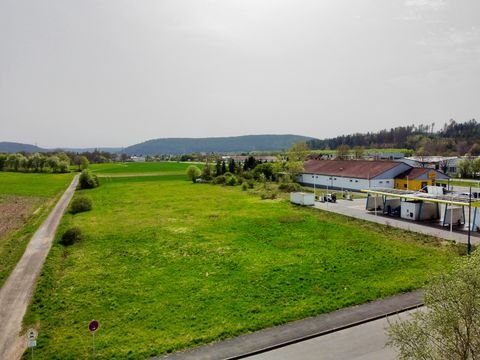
(25, 200)
(166, 265)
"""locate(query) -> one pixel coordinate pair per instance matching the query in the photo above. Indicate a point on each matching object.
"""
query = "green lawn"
(167, 264)
(26, 200)
(138, 168)
(33, 184)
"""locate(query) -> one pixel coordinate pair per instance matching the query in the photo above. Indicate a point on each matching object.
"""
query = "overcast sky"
(113, 72)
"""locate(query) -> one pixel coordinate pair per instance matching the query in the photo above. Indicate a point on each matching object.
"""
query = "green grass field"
(167, 264)
(30, 184)
(139, 168)
(26, 200)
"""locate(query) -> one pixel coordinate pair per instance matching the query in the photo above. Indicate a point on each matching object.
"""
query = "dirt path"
(17, 291)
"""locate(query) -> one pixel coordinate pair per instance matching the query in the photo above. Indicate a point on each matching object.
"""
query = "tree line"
(453, 138)
(41, 163)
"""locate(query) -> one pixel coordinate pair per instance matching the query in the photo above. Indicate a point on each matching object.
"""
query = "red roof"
(362, 169)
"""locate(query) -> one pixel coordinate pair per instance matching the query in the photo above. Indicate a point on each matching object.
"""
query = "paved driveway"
(356, 209)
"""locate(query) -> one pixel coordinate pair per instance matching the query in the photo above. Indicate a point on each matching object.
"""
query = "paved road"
(356, 209)
(362, 342)
(17, 291)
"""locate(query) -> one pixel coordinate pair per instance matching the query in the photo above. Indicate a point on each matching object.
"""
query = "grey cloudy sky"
(116, 72)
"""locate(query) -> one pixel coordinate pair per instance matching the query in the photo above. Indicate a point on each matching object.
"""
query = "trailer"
(454, 215)
(392, 206)
(374, 202)
(301, 198)
(419, 210)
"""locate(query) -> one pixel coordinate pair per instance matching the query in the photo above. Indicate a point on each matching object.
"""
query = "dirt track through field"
(17, 291)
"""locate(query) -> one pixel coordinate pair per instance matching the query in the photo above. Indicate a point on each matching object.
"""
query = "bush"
(268, 195)
(232, 181)
(193, 173)
(88, 180)
(220, 180)
(81, 204)
(289, 187)
(71, 236)
(251, 184)
(244, 187)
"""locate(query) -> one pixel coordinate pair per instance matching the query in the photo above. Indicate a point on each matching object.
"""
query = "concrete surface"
(362, 342)
(17, 291)
(356, 209)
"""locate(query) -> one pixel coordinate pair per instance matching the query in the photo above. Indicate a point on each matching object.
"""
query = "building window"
(405, 186)
(356, 180)
(351, 180)
(388, 181)
(381, 182)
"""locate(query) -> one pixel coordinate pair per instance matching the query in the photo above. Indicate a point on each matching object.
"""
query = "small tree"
(450, 329)
(83, 163)
(88, 180)
(465, 168)
(343, 151)
(193, 173)
(53, 162)
(358, 152)
(3, 159)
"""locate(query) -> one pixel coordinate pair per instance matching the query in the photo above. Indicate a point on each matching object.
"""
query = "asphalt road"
(362, 342)
(17, 291)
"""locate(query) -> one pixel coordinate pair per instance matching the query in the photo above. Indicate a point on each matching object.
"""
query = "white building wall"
(345, 183)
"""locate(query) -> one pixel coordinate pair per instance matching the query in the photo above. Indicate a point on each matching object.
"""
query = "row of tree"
(452, 139)
(57, 163)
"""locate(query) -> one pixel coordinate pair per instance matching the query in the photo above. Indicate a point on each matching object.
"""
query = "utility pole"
(469, 245)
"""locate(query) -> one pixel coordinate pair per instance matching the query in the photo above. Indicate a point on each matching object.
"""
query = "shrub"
(232, 181)
(220, 179)
(81, 204)
(270, 195)
(88, 180)
(193, 173)
(289, 187)
(251, 184)
(71, 236)
(244, 187)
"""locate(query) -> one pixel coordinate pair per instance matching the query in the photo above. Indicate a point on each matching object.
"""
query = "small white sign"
(32, 334)
(32, 343)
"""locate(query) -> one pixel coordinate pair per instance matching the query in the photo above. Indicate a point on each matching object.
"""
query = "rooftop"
(362, 169)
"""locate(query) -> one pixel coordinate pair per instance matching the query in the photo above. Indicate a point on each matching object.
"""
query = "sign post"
(92, 327)
(32, 339)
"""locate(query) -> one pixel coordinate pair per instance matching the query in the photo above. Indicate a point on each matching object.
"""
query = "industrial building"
(355, 175)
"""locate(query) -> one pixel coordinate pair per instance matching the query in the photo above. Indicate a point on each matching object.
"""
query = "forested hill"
(452, 139)
(216, 144)
(13, 147)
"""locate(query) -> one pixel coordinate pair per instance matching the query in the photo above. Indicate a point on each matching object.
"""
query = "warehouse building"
(355, 175)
